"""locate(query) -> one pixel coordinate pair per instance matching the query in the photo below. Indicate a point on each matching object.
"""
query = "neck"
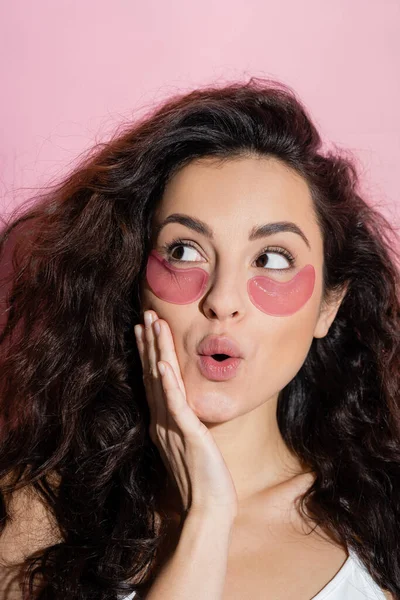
(255, 454)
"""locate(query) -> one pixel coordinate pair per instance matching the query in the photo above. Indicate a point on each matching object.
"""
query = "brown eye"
(280, 259)
(181, 251)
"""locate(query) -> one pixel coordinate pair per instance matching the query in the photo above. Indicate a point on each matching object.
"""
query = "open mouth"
(220, 357)
(219, 367)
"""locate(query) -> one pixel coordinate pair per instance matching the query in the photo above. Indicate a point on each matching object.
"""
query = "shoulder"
(388, 595)
(29, 528)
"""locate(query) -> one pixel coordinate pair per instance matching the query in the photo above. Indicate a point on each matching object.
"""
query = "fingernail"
(161, 368)
(157, 327)
(148, 318)
(138, 331)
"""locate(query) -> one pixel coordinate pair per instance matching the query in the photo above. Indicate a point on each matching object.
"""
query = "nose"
(226, 295)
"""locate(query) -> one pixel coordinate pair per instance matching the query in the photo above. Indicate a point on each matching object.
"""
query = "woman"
(264, 462)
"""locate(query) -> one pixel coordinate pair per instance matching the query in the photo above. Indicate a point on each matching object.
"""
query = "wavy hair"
(74, 416)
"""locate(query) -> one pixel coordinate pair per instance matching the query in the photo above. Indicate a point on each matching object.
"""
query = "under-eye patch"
(179, 286)
(183, 286)
(282, 299)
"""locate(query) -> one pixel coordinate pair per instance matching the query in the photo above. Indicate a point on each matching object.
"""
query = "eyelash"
(275, 249)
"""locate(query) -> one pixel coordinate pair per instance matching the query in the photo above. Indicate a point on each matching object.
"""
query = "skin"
(241, 412)
(296, 558)
(184, 285)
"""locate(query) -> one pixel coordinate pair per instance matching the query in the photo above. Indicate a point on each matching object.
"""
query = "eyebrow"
(256, 232)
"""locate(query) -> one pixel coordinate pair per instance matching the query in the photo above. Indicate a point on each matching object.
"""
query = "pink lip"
(219, 344)
(218, 371)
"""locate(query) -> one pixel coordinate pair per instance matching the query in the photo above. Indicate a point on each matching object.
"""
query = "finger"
(141, 344)
(167, 351)
(153, 373)
(183, 415)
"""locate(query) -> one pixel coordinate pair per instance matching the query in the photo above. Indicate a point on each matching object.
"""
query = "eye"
(279, 257)
(184, 253)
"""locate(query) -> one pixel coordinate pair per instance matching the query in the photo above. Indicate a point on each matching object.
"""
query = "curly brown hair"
(73, 404)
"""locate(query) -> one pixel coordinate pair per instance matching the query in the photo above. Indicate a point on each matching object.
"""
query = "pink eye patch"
(282, 299)
(183, 286)
(179, 286)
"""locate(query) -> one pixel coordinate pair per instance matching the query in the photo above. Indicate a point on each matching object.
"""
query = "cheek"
(183, 286)
(179, 286)
(285, 346)
(282, 299)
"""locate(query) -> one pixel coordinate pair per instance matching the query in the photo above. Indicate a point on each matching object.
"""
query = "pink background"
(71, 70)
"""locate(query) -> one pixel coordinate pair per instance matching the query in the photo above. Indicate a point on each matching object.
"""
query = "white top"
(351, 582)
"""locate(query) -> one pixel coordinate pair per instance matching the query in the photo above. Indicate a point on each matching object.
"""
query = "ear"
(328, 312)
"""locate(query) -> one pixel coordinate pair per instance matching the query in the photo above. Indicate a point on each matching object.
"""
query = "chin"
(213, 406)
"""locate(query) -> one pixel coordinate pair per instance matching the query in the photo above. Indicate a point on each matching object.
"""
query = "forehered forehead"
(186, 285)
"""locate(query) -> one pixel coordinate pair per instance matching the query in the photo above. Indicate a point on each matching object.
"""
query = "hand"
(186, 445)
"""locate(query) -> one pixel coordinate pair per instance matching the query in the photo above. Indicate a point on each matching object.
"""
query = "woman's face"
(236, 289)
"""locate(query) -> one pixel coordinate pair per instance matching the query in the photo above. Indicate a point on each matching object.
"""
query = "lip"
(218, 371)
(217, 344)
